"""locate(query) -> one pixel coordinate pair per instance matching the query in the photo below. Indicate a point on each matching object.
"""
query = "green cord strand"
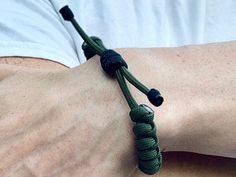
(124, 88)
(97, 49)
(134, 81)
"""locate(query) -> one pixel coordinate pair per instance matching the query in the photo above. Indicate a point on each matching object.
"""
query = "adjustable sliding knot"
(155, 97)
(147, 143)
(88, 50)
(111, 61)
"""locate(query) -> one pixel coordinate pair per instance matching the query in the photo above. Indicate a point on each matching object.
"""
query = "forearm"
(198, 84)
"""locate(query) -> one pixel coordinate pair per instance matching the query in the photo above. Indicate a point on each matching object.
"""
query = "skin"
(64, 122)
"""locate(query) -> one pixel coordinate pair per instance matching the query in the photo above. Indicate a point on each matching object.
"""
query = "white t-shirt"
(35, 28)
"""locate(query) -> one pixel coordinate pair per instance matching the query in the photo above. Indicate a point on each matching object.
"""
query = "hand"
(68, 123)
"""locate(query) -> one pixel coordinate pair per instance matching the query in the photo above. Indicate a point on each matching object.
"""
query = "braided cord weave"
(147, 143)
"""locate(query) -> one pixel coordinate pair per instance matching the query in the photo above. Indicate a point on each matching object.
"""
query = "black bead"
(155, 97)
(66, 13)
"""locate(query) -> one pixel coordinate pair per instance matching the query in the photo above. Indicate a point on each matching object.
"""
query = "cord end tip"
(66, 13)
(155, 97)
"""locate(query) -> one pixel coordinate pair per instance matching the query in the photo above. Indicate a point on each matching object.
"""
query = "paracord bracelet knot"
(147, 144)
(111, 61)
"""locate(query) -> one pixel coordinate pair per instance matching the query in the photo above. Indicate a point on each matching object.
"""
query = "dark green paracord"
(147, 143)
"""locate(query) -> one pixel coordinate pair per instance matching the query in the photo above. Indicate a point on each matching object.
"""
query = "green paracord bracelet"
(147, 143)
